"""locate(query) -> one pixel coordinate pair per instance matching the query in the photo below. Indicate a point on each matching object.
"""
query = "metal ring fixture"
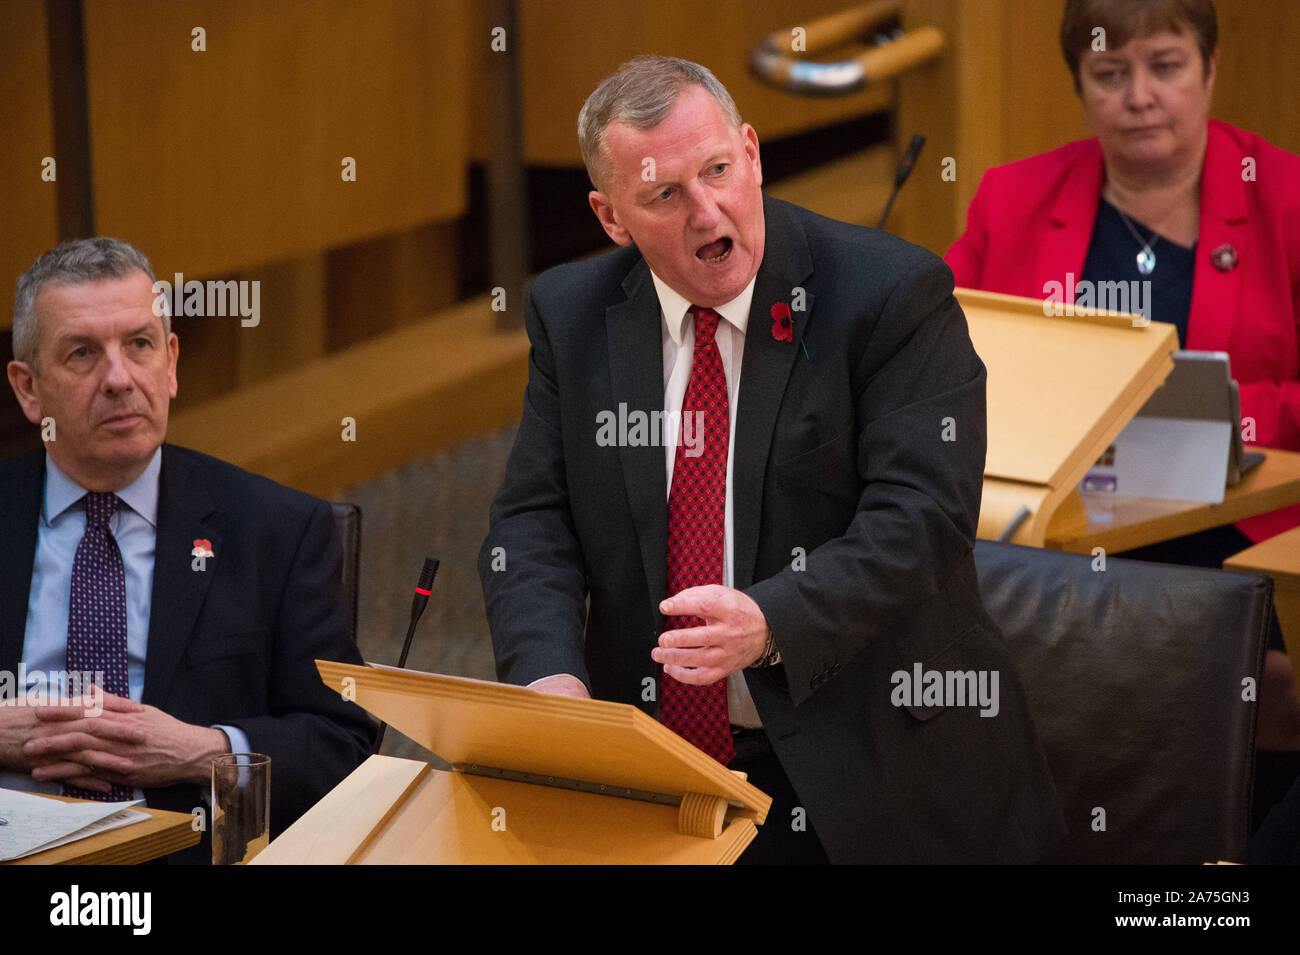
(893, 52)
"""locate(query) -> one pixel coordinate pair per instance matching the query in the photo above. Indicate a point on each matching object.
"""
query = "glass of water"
(241, 807)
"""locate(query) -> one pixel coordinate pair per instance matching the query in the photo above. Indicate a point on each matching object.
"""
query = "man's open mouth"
(715, 251)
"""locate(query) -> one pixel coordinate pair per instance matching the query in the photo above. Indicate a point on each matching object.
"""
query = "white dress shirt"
(678, 340)
(678, 328)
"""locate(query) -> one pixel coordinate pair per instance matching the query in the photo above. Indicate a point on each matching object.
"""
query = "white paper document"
(35, 823)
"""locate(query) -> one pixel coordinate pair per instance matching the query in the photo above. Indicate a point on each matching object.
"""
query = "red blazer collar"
(1085, 174)
(1223, 188)
(1063, 249)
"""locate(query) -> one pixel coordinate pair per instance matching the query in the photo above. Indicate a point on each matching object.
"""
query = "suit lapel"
(20, 510)
(1064, 246)
(1223, 222)
(764, 372)
(636, 377)
(178, 590)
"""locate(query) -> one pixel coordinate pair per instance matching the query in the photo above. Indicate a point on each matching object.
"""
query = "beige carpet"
(437, 507)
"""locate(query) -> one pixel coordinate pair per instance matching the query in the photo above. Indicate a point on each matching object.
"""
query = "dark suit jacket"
(840, 451)
(232, 644)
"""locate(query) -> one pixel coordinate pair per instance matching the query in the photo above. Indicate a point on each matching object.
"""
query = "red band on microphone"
(422, 592)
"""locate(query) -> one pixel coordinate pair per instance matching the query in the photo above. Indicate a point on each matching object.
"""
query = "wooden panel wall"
(225, 163)
(568, 46)
(1258, 84)
(28, 205)
(1000, 92)
(221, 159)
(226, 159)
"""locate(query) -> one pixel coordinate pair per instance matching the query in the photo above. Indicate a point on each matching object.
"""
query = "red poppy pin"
(782, 329)
(202, 548)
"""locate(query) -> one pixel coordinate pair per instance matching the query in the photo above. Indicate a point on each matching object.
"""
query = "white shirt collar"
(141, 495)
(675, 307)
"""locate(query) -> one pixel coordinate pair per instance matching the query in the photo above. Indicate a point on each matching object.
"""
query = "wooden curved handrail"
(772, 62)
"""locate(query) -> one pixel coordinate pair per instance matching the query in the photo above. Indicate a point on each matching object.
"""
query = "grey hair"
(71, 263)
(641, 95)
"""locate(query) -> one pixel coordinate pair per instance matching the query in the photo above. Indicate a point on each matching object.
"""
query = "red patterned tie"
(696, 514)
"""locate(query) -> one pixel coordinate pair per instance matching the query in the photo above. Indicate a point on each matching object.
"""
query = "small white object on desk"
(36, 823)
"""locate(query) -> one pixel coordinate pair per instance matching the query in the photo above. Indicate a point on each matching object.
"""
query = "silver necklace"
(1146, 259)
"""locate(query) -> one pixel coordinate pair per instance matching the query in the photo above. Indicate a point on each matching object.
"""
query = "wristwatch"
(771, 655)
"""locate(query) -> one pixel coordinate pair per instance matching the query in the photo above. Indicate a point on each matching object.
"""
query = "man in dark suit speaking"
(198, 594)
(744, 496)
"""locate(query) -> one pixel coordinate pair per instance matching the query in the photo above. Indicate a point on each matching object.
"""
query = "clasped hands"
(734, 635)
(128, 743)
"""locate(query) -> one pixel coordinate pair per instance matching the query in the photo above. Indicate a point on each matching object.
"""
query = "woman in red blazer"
(1224, 198)
(1208, 213)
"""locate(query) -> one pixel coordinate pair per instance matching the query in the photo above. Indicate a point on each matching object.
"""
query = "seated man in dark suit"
(197, 593)
(762, 578)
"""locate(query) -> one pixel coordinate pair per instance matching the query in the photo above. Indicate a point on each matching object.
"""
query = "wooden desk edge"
(163, 833)
(1239, 503)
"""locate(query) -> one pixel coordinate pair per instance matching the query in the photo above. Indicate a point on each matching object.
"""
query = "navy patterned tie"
(97, 615)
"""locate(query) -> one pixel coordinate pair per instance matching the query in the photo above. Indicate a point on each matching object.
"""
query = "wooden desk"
(1121, 523)
(1279, 557)
(536, 779)
(393, 811)
(163, 833)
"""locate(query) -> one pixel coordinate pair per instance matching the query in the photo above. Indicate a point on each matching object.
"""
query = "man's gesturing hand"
(734, 635)
(129, 743)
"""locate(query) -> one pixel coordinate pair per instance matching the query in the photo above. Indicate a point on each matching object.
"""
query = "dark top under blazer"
(840, 451)
(232, 644)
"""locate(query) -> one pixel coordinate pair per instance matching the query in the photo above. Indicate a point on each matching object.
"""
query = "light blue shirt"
(45, 642)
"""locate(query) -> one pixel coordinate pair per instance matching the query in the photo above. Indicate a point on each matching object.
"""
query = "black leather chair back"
(347, 518)
(1136, 676)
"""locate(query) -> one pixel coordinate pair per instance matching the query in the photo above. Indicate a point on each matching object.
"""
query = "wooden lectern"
(535, 779)
(1060, 389)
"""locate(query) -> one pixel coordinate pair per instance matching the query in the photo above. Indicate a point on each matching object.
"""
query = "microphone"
(418, 602)
(905, 166)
